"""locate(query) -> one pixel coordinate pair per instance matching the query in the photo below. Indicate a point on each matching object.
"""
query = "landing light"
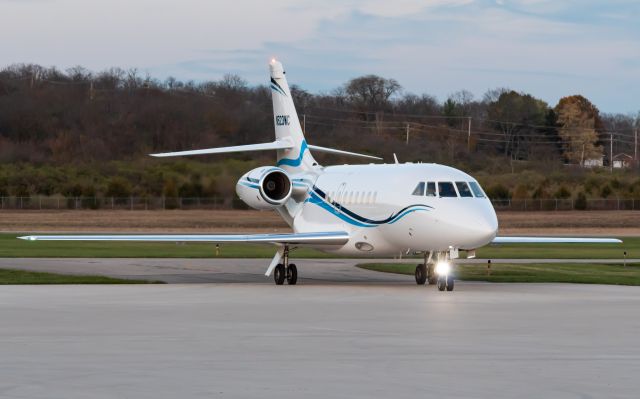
(443, 268)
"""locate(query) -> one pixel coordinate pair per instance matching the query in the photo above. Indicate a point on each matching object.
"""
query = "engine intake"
(266, 187)
(275, 187)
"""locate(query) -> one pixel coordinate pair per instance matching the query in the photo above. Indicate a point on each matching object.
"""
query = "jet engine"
(266, 187)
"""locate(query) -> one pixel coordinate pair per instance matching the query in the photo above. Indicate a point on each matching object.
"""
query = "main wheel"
(431, 274)
(449, 283)
(442, 283)
(292, 274)
(421, 274)
(279, 274)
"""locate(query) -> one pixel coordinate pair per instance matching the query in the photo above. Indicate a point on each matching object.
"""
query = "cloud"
(549, 48)
(403, 8)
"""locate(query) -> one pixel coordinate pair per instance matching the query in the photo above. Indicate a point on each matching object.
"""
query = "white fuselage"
(386, 213)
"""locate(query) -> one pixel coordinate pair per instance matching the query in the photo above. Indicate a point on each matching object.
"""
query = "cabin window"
(419, 190)
(477, 191)
(431, 189)
(463, 189)
(446, 189)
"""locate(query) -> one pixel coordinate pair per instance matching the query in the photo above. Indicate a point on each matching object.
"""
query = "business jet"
(370, 209)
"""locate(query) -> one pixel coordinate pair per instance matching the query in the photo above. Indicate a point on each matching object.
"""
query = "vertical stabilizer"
(287, 124)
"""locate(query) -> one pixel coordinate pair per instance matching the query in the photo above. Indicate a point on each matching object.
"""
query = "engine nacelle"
(266, 187)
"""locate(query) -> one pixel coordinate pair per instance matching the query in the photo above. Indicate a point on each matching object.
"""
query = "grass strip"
(580, 273)
(18, 277)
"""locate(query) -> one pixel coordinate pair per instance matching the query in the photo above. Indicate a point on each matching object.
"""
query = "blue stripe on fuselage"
(318, 197)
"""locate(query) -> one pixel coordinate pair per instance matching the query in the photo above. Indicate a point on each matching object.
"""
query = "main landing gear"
(438, 274)
(285, 271)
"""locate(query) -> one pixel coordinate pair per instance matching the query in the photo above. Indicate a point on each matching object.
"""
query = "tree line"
(99, 126)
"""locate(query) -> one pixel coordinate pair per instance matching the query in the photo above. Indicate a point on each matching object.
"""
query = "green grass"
(10, 247)
(13, 277)
(592, 273)
(562, 251)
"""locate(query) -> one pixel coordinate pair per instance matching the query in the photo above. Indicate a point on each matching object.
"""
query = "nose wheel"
(445, 283)
(440, 273)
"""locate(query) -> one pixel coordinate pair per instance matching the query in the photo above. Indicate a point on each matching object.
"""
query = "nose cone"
(476, 224)
(485, 228)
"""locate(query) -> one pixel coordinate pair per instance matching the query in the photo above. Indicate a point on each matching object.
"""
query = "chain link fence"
(186, 203)
(553, 204)
(120, 203)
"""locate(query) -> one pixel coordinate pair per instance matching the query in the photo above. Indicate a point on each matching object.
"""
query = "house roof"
(622, 155)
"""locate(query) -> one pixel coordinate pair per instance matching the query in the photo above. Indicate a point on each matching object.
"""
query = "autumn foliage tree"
(580, 124)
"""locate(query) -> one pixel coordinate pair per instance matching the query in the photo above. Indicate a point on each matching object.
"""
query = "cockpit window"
(419, 190)
(431, 189)
(446, 189)
(477, 191)
(463, 189)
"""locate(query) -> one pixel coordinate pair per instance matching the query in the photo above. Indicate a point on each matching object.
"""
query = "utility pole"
(469, 135)
(611, 152)
(91, 90)
(407, 133)
(635, 146)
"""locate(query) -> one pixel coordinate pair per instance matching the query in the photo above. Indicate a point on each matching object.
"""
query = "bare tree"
(371, 92)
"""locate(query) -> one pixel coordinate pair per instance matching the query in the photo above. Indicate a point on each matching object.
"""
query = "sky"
(548, 48)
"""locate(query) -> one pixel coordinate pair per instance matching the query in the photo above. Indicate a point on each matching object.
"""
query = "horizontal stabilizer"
(555, 240)
(320, 238)
(276, 145)
(340, 152)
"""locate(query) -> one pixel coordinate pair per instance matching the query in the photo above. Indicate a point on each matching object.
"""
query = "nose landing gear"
(445, 282)
(438, 274)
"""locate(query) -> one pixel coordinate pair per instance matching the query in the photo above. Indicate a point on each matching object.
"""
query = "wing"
(319, 238)
(554, 240)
